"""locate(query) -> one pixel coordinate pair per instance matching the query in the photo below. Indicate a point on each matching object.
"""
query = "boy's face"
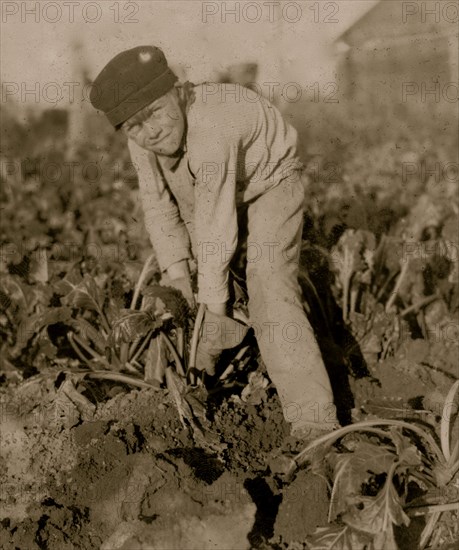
(158, 127)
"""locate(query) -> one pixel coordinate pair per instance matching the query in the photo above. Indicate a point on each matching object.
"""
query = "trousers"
(284, 335)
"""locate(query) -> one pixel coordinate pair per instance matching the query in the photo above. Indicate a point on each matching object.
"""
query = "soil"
(131, 475)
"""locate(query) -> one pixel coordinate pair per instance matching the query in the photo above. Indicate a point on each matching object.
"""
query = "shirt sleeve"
(213, 159)
(168, 234)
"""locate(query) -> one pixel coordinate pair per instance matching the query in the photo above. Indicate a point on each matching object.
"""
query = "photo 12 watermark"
(436, 172)
(70, 12)
(266, 252)
(426, 250)
(275, 92)
(430, 92)
(324, 172)
(430, 12)
(92, 172)
(313, 413)
(255, 12)
(66, 93)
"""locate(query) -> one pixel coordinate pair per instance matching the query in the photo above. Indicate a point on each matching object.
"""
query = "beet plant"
(374, 470)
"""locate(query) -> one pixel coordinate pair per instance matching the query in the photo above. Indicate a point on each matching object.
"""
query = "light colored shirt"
(238, 147)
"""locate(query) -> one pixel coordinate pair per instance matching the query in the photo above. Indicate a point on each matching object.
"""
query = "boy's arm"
(213, 159)
(168, 234)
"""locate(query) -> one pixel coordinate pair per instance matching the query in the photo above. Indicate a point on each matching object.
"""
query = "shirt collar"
(172, 161)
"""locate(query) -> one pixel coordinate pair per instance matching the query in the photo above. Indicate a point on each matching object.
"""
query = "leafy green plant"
(371, 473)
(107, 335)
(392, 288)
(352, 261)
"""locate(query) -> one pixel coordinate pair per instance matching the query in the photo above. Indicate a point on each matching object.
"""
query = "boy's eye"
(133, 128)
(153, 112)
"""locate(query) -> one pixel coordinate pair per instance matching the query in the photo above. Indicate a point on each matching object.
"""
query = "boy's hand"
(218, 332)
(206, 359)
(183, 284)
(178, 277)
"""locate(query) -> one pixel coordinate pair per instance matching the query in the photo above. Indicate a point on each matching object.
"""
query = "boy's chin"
(166, 151)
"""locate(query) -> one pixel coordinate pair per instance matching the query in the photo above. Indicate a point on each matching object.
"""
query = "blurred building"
(82, 119)
(244, 74)
(401, 58)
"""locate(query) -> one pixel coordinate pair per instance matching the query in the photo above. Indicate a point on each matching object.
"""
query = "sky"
(290, 41)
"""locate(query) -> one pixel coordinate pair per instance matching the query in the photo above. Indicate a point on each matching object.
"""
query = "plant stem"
(105, 322)
(86, 347)
(346, 284)
(354, 294)
(175, 355)
(131, 368)
(141, 279)
(230, 368)
(142, 346)
(77, 350)
(115, 377)
(124, 353)
(378, 262)
(431, 508)
(180, 342)
(424, 302)
(133, 346)
(385, 285)
(368, 425)
(398, 284)
(446, 420)
(454, 453)
(195, 337)
(386, 347)
(428, 530)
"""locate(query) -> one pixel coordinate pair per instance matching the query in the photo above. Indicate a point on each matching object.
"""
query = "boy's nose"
(153, 130)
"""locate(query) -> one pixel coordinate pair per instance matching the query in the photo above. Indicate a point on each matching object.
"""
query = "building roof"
(391, 19)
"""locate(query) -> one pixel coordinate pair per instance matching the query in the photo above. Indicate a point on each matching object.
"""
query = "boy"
(213, 163)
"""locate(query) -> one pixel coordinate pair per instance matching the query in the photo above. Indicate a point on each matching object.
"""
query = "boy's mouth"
(155, 142)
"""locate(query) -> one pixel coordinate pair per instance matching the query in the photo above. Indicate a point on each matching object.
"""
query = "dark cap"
(130, 81)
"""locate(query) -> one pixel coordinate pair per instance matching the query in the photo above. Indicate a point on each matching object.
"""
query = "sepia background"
(391, 64)
(95, 449)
